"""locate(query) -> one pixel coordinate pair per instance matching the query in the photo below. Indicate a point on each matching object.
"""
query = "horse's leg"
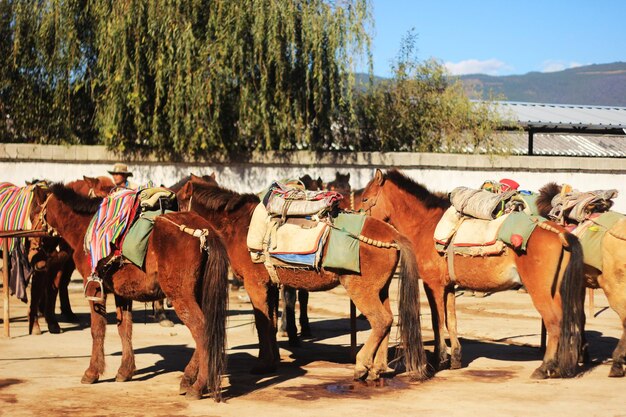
(451, 324)
(380, 358)
(159, 313)
(124, 309)
(616, 295)
(437, 312)
(52, 278)
(288, 317)
(265, 321)
(36, 295)
(369, 303)
(190, 374)
(98, 331)
(191, 315)
(305, 327)
(64, 298)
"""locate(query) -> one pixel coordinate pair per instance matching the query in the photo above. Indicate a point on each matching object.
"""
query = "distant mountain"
(598, 85)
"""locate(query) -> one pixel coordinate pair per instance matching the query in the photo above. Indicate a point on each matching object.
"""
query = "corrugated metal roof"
(539, 115)
(563, 144)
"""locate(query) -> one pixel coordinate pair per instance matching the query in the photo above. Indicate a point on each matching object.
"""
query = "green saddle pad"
(135, 243)
(591, 238)
(343, 249)
(518, 223)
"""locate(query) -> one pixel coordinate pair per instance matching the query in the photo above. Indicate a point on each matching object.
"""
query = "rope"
(553, 229)
(201, 234)
(369, 241)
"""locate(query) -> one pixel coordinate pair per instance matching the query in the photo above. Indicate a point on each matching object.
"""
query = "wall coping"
(20, 152)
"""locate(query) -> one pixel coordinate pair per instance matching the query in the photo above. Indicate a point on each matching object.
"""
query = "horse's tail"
(409, 313)
(572, 298)
(215, 310)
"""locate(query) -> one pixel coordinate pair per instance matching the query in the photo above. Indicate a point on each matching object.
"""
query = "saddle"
(289, 227)
(122, 214)
(577, 206)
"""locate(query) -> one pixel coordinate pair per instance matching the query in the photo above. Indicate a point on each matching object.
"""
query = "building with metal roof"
(561, 129)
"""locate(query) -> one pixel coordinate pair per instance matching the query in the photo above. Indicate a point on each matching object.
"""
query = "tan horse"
(612, 278)
(550, 268)
(230, 213)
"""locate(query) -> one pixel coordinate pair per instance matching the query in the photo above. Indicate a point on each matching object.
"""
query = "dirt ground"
(40, 375)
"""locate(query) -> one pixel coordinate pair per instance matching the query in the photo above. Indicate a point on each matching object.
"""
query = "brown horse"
(192, 272)
(550, 268)
(53, 265)
(230, 213)
(612, 278)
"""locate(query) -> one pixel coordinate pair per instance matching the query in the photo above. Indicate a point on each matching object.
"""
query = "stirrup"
(94, 278)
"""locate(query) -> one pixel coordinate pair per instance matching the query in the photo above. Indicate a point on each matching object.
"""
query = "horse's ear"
(348, 177)
(212, 176)
(379, 177)
(92, 182)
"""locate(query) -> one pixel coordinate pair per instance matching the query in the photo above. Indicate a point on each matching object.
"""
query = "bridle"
(367, 208)
(41, 219)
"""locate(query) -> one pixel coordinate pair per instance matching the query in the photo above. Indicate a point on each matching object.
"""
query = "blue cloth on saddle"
(343, 247)
(298, 259)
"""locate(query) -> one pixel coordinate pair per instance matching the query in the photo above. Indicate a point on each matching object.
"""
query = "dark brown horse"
(230, 213)
(53, 265)
(351, 198)
(550, 268)
(612, 278)
(290, 296)
(186, 262)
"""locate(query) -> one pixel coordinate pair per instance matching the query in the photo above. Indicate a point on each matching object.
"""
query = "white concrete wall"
(438, 172)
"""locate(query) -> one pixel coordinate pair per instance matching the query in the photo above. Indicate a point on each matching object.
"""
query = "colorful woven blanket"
(109, 224)
(15, 207)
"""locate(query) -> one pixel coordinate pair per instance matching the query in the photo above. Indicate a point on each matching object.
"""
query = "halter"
(368, 208)
(41, 219)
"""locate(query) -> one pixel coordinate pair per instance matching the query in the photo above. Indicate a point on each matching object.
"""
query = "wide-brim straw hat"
(120, 168)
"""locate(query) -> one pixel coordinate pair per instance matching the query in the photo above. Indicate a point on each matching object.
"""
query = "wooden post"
(592, 307)
(5, 284)
(352, 330)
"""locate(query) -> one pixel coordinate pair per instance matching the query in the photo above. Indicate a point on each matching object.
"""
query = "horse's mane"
(430, 200)
(546, 193)
(79, 203)
(216, 198)
(177, 187)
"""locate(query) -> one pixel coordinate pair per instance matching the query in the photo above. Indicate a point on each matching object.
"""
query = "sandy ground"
(40, 375)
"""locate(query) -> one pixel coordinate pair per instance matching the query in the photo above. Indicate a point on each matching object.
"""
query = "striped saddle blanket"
(109, 224)
(15, 205)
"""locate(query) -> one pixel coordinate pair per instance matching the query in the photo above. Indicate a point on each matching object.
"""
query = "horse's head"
(374, 200)
(41, 191)
(204, 179)
(546, 194)
(341, 183)
(93, 186)
(311, 184)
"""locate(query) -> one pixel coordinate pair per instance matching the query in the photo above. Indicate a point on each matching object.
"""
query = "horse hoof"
(360, 373)
(306, 334)
(539, 374)
(166, 323)
(36, 331)
(455, 363)
(294, 342)
(123, 378)
(193, 395)
(617, 371)
(88, 379)
(54, 329)
(282, 333)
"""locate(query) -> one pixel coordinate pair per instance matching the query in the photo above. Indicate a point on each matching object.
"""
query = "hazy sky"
(502, 37)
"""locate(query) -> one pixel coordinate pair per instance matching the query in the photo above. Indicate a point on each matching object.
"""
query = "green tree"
(423, 109)
(191, 77)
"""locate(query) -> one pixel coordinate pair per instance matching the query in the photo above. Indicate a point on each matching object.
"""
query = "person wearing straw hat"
(120, 174)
